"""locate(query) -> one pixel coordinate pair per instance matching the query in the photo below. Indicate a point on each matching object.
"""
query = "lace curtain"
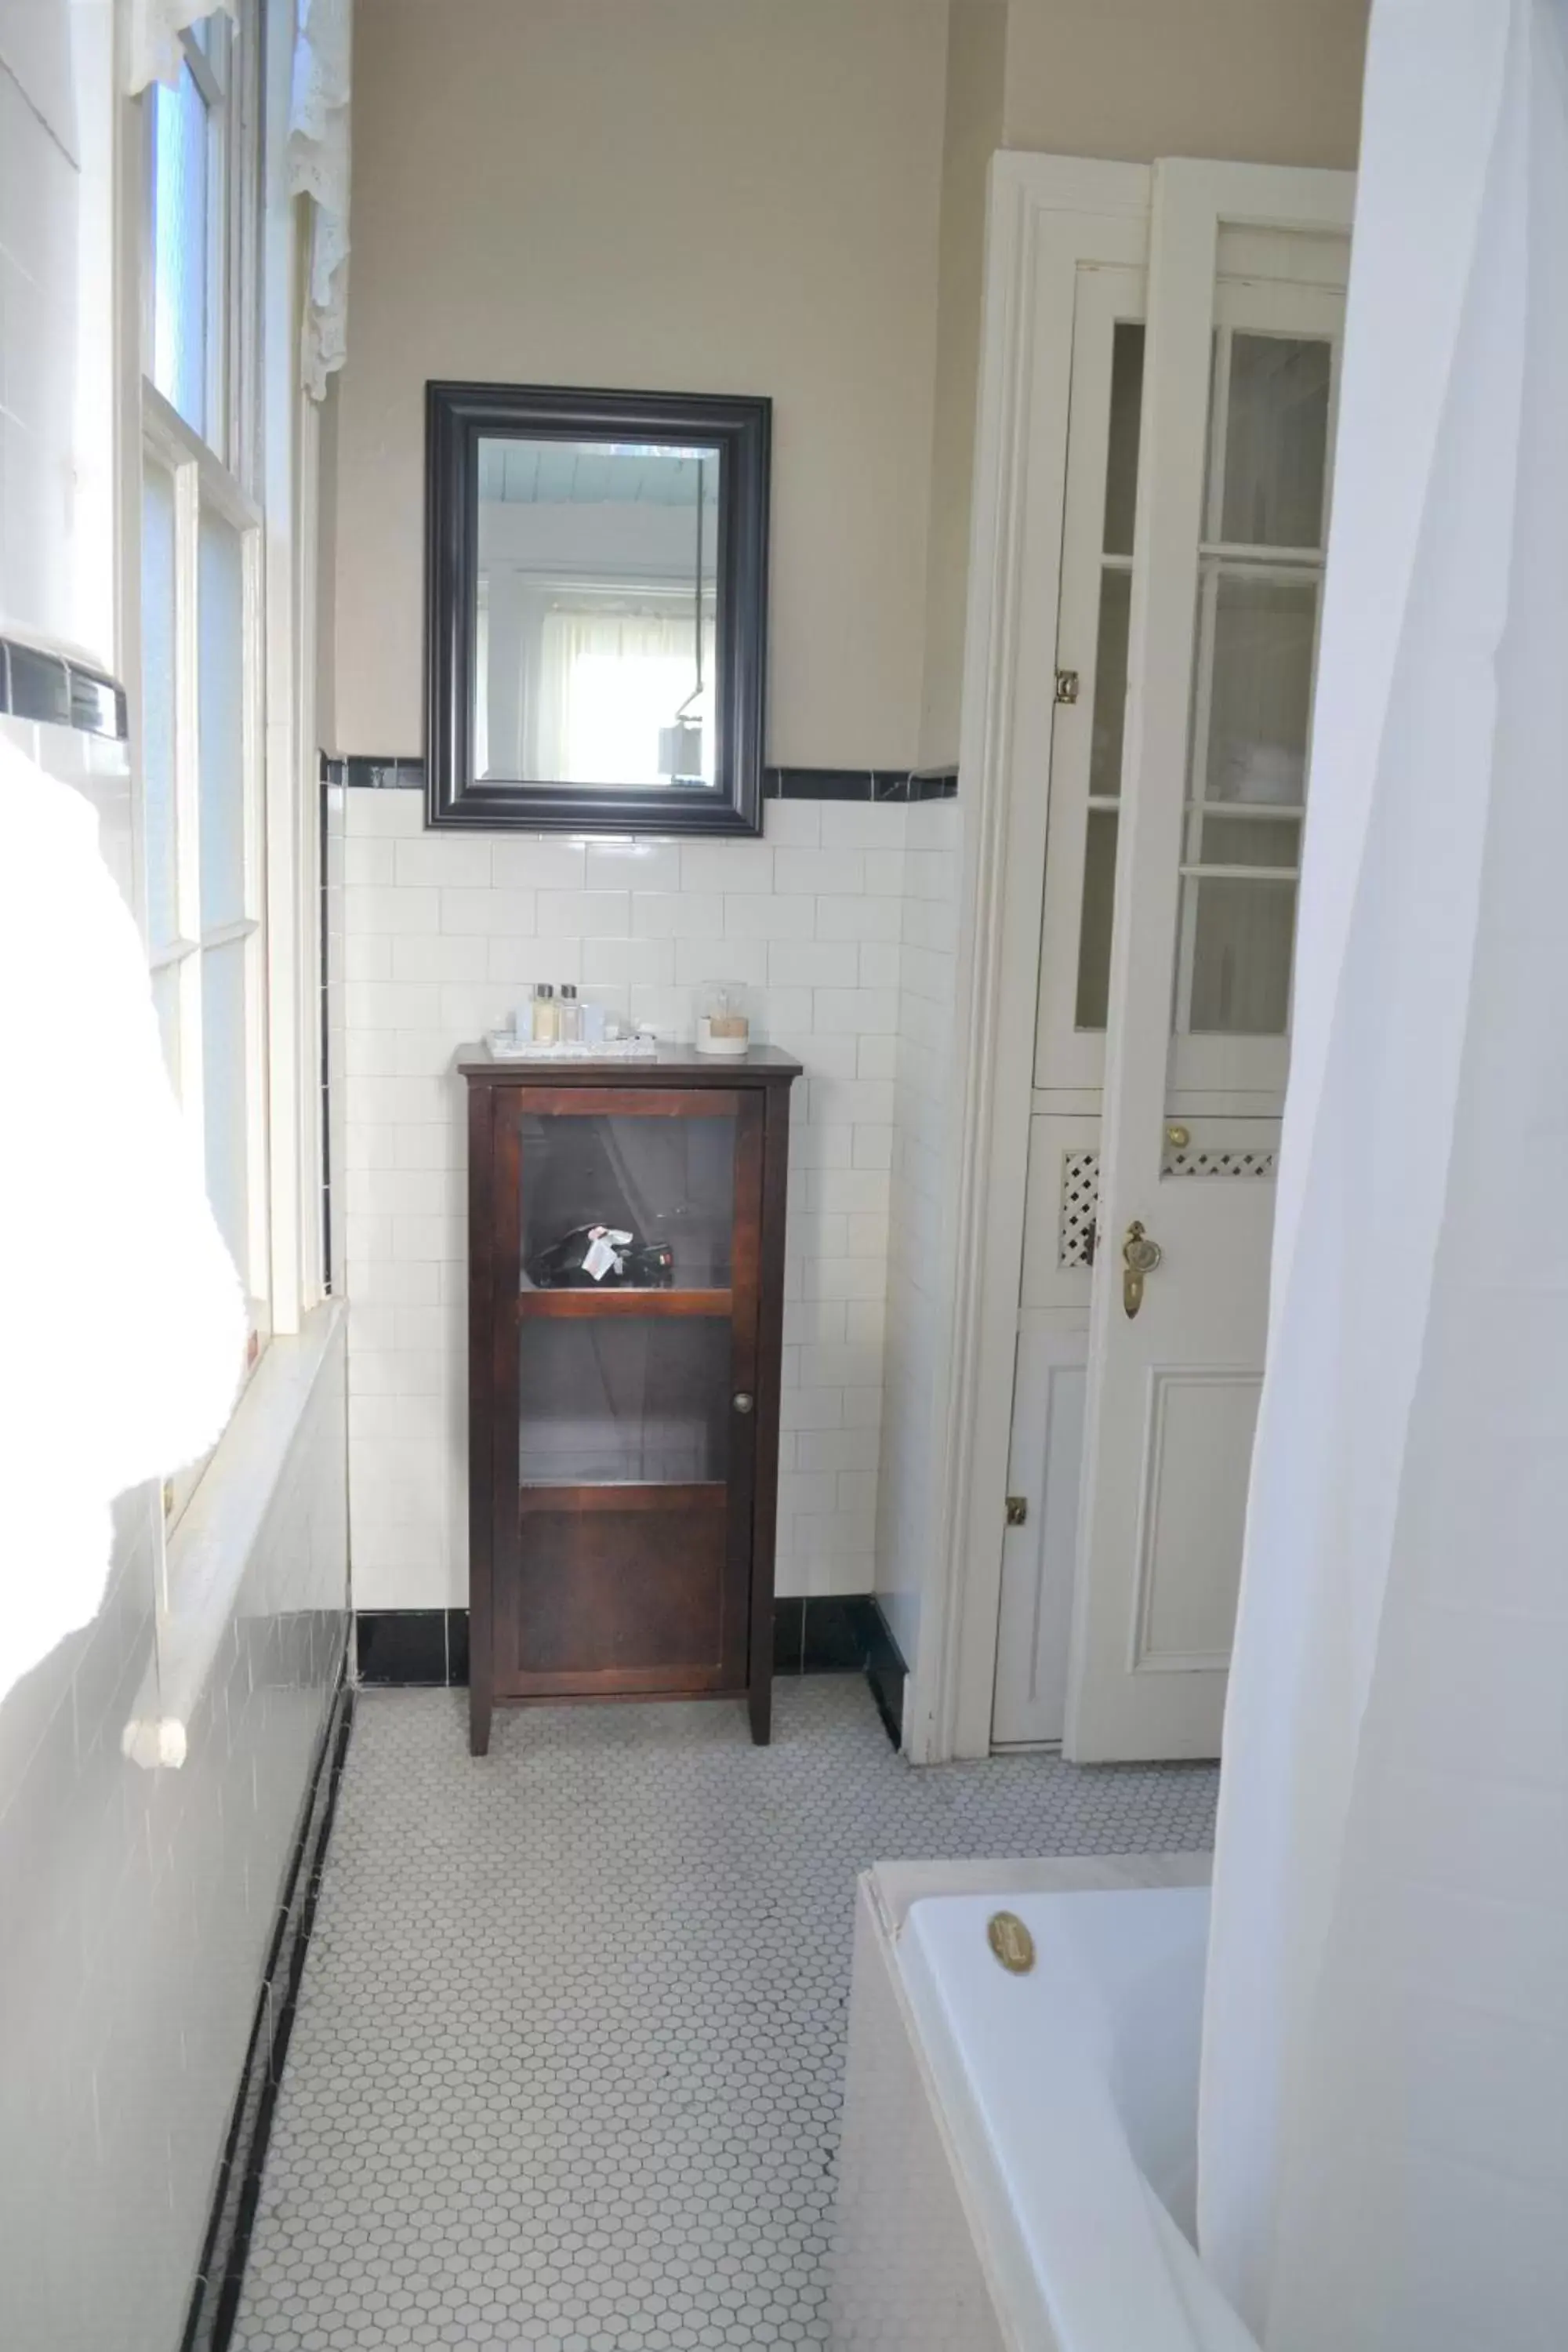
(318, 147)
(318, 169)
(153, 37)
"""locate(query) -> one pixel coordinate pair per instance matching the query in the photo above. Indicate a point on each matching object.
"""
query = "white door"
(1245, 301)
(1045, 1451)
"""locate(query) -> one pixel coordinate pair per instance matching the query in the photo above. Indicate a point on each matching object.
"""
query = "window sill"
(211, 1548)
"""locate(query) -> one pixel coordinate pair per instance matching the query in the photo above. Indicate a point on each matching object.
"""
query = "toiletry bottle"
(546, 1015)
(592, 1019)
(571, 1015)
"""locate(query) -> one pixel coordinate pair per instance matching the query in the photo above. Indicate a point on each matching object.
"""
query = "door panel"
(1197, 1450)
(1045, 1468)
(617, 1588)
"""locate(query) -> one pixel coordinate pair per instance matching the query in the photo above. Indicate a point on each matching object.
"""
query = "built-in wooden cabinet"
(623, 1419)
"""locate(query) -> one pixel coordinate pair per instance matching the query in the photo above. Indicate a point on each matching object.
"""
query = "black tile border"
(52, 691)
(789, 1636)
(408, 1648)
(373, 772)
(840, 1634)
(886, 1671)
(225, 2248)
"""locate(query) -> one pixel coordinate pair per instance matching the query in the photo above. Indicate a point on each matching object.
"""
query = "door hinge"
(1067, 686)
(1018, 1509)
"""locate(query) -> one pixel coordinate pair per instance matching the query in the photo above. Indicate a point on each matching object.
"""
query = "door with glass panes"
(1194, 523)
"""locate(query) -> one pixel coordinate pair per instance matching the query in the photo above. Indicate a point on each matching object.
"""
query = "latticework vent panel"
(1190, 1161)
(1081, 1203)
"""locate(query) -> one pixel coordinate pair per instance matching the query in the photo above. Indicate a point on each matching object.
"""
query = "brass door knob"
(743, 1401)
(1139, 1256)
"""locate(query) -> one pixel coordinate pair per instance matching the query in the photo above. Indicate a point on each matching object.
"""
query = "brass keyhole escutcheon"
(1139, 1256)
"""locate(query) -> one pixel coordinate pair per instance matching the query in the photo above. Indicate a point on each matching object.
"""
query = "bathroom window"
(201, 642)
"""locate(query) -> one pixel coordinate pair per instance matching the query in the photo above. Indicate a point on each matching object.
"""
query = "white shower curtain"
(1383, 2141)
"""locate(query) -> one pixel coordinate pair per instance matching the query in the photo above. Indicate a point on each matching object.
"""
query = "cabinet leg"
(760, 1701)
(479, 1720)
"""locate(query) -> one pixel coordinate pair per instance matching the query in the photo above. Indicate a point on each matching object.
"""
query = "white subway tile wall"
(441, 936)
(920, 1268)
(137, 1908)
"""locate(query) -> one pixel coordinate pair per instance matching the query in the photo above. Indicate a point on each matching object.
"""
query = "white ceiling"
(574, 473)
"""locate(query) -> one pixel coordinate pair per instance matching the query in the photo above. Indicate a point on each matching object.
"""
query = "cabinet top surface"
(682, 1061)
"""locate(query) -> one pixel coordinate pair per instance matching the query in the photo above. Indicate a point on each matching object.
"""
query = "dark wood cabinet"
(623, 1432)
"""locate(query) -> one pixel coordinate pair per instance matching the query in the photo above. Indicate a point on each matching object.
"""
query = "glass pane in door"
(1275, 441)
(1241, 933)
(1110, 684)
(1126, 415)
(668, 1182)
(1095, 925)
(611, 1400)
(1259, 664)
(1260, 577)
(1098, 898)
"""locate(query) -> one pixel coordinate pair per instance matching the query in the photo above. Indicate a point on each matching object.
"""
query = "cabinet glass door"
(627, 1495)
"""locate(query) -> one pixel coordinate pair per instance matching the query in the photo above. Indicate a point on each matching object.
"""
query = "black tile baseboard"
(840, 1634)
(214, 2298)
(373, 772)
(54, 692)
(789, 1636)
(885, 1669)
(410, 1647)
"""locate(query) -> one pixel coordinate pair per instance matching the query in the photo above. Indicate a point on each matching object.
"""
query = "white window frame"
(218, 472)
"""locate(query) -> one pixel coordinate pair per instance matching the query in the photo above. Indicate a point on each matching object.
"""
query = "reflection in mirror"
(597, 608)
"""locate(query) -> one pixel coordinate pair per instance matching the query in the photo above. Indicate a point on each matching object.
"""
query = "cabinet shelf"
(567, 1304)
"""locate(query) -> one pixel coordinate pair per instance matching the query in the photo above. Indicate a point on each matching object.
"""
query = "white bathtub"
(1016, 2169)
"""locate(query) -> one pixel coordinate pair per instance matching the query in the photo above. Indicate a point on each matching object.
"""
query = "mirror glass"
(595, 626)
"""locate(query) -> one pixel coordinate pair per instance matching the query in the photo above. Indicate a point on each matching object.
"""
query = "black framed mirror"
(596, 609)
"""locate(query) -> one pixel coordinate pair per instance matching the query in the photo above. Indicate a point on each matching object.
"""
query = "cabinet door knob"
(743, 1401)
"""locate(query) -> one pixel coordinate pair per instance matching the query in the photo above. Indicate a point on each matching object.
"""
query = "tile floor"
(565, 2069)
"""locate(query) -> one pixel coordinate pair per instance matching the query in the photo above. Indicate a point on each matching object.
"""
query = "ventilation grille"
(1189, 1161)
(1080, 1203)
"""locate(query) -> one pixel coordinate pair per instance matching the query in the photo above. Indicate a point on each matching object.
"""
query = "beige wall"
(1257, 82)
(976, 69)
(727, 195)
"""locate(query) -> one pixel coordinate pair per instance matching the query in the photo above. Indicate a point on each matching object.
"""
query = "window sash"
(200, 482)
(224, 59)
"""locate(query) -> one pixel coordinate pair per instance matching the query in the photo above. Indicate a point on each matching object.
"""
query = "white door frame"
(1049, 218)
(1049, 214)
